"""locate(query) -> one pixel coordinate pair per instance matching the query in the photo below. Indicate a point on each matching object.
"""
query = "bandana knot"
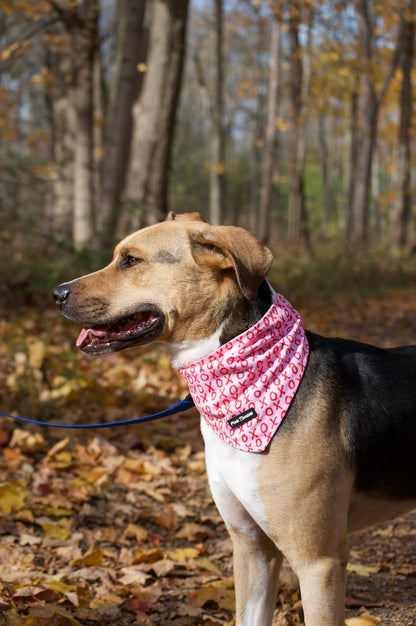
(244, 389)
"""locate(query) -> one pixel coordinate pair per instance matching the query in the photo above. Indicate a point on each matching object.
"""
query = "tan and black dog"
(344, 456)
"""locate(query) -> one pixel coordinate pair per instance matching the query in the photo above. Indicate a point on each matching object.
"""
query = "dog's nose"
(60, 294)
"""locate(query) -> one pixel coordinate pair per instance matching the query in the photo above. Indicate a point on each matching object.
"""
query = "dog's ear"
(230, 247)
(184, 217)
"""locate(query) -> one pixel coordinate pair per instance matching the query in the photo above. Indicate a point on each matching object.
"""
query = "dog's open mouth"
(122, 333)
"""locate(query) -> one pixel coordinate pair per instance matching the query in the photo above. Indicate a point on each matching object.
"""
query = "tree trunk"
(368, 107)
(83, 166)
(154, 112)
(59, 64)
(84, 30)
(98, 132)
(362, 173)
(300, 69)
(403, 202)
(376, 194)
(217, 170)
(131, 51)
(352, 159)
(325, 167)
(253, 184)
(76, 48)
(263, 227)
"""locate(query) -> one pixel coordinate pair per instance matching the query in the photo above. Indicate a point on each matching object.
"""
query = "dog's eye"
(130, 261)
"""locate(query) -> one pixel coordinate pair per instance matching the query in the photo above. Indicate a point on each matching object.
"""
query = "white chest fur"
(232, 476)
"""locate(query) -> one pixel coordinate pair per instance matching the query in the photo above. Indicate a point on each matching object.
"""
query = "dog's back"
(375, 398)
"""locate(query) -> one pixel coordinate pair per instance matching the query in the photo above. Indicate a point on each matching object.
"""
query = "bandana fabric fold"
(244, 389)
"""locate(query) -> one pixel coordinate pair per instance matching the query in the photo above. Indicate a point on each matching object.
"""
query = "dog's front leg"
(232, 476)
(322, 585)
(257, 563)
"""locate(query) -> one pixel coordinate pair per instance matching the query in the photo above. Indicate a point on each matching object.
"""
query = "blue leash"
(183, 405)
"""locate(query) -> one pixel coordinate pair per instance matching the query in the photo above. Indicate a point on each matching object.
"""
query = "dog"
(307, 438)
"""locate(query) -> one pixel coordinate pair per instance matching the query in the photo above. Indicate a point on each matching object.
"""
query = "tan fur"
(306, 512)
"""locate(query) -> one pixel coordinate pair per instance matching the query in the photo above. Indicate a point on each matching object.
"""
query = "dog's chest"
(233, 478)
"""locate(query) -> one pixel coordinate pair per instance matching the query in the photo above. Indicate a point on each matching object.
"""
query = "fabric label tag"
(236, 421)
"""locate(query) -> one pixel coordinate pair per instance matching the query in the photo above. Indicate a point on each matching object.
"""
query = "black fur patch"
(245, 314)
(374, 407)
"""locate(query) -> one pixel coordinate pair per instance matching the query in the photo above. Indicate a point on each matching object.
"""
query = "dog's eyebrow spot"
(164, 257)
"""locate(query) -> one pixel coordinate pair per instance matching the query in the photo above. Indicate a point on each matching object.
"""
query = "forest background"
(293, 119)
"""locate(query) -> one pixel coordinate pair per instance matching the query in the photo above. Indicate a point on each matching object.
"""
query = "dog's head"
(170, 281)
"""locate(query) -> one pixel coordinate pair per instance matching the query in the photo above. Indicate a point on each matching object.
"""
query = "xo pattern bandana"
(244, 389)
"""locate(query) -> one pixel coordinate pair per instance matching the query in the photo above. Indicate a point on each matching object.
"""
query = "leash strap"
(183, 405)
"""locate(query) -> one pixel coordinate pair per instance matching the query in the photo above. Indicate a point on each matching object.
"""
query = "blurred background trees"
(293, 118)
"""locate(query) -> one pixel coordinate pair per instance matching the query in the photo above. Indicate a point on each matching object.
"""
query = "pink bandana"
(244, 389)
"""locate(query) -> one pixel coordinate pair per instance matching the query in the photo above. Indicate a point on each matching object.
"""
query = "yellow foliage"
(362, 570)
(59, 587)
(92, 557)
(32, 9)
(282, 124)
(218, 592)
(247, 89)
(42, 171)
(56, 40)
(181, 555)
(15, 48)
(55, 531)
(148, 555)
(12, 497)
(42, 78)
(218, 168)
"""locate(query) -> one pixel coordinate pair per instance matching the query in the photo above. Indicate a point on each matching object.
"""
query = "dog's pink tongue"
(85, 332)
(82, 336)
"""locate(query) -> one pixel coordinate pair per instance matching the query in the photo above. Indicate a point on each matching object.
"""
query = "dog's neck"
(239, 316)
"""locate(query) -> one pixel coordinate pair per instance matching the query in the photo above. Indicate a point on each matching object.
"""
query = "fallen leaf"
(159, 497)
(194, 532)
(92, 557)
(32, 595)
(134, 530)
(108, 599)
(12, 497)
(206, 565)
(163, 567)
(133, 575)
(59, 587)
(148, 555)
(58, 447)
(167, 518)
(37, 352)
(219, 592)
(26, 441)
(362, 570)
(181, 555)
(55, 531)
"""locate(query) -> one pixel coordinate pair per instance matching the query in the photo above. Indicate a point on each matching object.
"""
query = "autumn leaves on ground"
(118, 526)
